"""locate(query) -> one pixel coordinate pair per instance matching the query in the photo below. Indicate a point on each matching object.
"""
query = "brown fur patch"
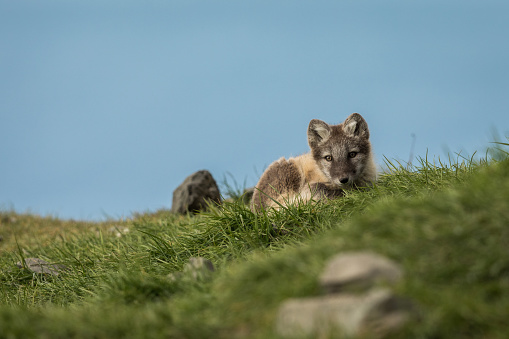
(281, 178)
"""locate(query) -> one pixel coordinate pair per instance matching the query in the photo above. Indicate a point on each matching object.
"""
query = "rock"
(198, 268)
(6, 219)
(42, 267)
(278, 230)
(248, 195)
(358, 271)
(175, 276)
(192, 195)
(355, 305)
(118, 231)
(374, 314)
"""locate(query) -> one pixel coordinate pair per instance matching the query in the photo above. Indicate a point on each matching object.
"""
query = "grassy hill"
(446, 224)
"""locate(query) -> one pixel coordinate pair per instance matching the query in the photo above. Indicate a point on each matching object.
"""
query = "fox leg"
(321, 190)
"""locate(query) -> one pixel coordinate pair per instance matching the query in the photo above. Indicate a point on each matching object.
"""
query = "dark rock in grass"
(375, 314)
(194, 193)
(248, 195)
(278, 230)
(6, 219)
(42, 267)
(358, 271)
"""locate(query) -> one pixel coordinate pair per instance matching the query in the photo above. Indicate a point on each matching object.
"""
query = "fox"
(340, 159)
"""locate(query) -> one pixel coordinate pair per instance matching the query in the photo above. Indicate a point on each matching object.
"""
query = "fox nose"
(344, 180)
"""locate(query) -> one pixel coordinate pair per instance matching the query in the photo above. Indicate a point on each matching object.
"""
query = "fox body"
(340, 159)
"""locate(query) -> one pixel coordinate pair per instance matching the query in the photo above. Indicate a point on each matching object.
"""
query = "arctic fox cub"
(340, 159)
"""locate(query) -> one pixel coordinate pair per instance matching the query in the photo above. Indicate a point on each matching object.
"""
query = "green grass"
(446, 224)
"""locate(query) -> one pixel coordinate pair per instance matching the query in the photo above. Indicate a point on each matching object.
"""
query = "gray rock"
(248, 195)
(198, 268)
(42, 267)
(118, 231)
(6, 219)
(192, 195)
(377, 313)
(175, 276)
(358, 271)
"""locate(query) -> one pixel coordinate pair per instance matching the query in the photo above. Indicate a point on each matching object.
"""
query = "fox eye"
(352, 154)
(328, 157)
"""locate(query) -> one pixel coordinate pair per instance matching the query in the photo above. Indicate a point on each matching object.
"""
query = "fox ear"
(318, 131)
(356, 126)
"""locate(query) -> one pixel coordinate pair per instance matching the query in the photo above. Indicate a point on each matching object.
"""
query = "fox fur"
(340, 159)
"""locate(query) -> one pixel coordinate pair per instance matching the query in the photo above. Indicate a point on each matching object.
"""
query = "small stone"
(175, 276)
(195, 192)
(375, 314)
(42, 267)
(199, 268)
(358, 271)
(199, 263)
(6, 219)
(118, 231)
(278, 230)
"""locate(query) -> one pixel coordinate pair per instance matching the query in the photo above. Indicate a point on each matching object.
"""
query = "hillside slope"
(448, 226)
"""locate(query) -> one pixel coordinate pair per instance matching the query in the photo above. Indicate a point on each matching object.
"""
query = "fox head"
(342, 152)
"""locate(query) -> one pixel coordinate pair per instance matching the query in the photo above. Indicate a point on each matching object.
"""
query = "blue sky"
(106, 106)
